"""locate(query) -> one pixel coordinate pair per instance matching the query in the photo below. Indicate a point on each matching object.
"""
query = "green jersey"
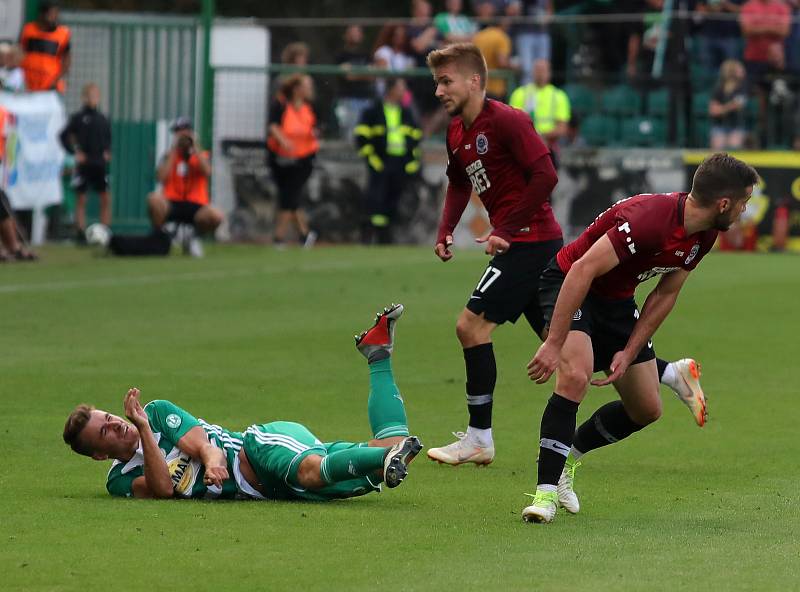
(169, 424)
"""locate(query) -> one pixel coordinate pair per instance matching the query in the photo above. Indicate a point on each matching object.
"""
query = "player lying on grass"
(587, 295)
(494, 151)
(165, 452)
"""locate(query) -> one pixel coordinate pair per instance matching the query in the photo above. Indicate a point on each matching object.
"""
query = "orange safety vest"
(44, 55)
(186, 181)
(298, 127)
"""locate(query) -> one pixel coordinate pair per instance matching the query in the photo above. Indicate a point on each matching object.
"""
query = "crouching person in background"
(184, 199)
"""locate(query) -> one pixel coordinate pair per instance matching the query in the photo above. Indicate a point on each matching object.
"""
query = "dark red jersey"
(648, 236)
(503, 159)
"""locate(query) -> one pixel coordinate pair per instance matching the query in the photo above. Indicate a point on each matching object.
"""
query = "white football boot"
(462, 451)
(687, 388)
(566, 492)
(544, 507)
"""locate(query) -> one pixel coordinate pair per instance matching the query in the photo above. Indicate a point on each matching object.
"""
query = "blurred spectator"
(718, 35)
(183, 198)
(356, 91)
(392, 49)
(532, 41)
(643, 44)
(46, 45)
(388, 138)
(454, 26)
(764, 23)
(548, 106)
(727, 107)
(292, 147)
(797, 127)
(779, 91)
(10, 245)
(14, 76)
(495, 45)
(295, 54)
(423, 36)
(88, 137)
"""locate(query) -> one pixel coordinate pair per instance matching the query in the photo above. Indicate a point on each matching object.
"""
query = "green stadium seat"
(622, 100)
(700, 132)
(643, 131)
(658, 103)
(583, 100)
(700, 103)
(599, 130)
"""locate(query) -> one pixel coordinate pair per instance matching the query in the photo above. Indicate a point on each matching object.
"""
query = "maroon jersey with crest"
(648, 236)
(503, 159)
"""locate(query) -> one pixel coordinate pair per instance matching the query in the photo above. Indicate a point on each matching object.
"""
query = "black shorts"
(182, 211)
(509, 286)
(609, 323)
(290, 176)
(90, 176)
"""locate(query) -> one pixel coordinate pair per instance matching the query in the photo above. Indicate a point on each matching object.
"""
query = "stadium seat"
(700, 103)
(643, 131)
(658, 103)
(700, 132)
(622, 100)
(599, 130)
(583, 100)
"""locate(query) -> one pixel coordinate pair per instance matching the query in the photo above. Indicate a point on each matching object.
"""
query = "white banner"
(34, 156)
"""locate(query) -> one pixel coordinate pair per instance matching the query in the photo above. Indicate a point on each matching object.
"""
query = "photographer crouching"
(183, 173)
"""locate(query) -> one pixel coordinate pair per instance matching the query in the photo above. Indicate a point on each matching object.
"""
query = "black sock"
(662, 366)
(556, 433)
(481, 378)
(609, 424)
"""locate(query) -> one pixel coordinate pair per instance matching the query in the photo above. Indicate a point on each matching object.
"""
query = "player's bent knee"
(472, 329)
(309, 474)
(647, 413)
(571, 382)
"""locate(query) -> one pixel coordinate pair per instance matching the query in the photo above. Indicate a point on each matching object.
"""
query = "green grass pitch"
(250, 334)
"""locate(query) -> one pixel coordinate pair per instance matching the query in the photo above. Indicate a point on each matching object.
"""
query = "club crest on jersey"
(577, 316)
(482, 144)
(692, 253)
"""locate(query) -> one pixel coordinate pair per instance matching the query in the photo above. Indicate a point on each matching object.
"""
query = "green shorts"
(275, 451)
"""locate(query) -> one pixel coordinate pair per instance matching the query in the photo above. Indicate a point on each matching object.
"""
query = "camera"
(185, 146)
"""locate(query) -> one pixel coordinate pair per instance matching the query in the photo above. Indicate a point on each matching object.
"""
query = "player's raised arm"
(598, 260)
(656, 308)
(195, 443)
(156, 481)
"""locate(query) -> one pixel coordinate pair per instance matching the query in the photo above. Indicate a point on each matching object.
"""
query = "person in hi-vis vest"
(547, 105)
(388, 138)
(46, 45)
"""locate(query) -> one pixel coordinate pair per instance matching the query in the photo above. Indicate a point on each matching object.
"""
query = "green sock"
(387, 412)
(354, 462)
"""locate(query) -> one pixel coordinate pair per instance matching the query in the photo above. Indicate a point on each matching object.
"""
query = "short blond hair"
(466, 56)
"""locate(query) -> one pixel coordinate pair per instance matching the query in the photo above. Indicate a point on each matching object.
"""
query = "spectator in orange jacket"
(46, 44)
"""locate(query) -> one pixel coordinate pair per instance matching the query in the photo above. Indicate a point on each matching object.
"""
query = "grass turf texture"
(249, 334)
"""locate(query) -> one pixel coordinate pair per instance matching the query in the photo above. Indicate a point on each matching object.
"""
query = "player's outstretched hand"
(619, 364)
(215, 476)
(133, 408)
(544, 363)
(442, 250)
(494, 244)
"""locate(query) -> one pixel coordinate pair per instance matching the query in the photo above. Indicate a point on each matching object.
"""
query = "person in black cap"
(184, 198)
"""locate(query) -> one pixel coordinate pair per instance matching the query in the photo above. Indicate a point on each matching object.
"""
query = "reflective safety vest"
(44, 56)
(395, 139)
(545, 105)
(186, 181)
(388, 130)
